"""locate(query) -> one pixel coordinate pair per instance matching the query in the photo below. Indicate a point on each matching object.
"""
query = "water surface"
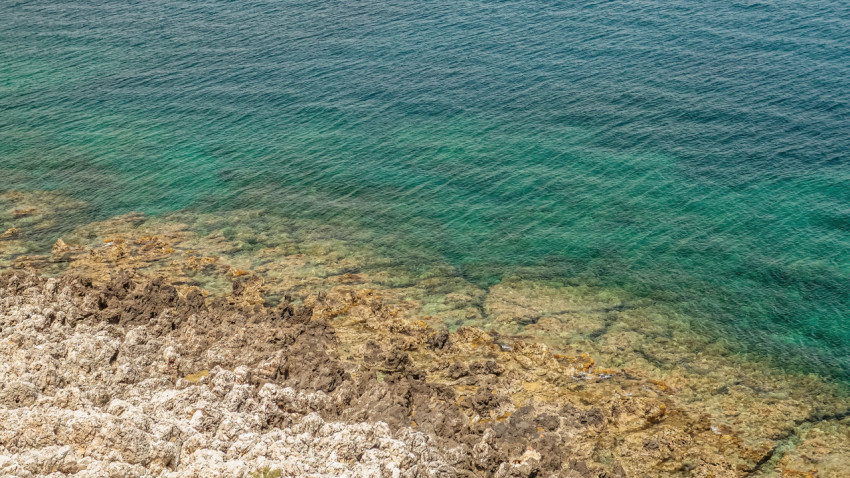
(690, 153)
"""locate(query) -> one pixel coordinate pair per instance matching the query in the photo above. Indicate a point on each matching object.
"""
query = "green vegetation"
(266, 473)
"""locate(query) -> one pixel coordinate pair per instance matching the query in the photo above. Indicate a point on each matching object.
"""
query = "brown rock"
(60, 248)
(11, 232)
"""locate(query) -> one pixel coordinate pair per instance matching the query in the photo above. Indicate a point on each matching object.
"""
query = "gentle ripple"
(695, 153)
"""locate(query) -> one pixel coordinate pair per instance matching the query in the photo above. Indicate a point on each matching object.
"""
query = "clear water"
(693, 153)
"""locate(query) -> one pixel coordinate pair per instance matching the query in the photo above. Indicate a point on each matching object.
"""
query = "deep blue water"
(693, 153)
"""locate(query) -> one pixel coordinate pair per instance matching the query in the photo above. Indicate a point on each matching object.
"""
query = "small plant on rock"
(266, 472)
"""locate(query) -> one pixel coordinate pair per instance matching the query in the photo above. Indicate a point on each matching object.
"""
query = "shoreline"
(664, 407)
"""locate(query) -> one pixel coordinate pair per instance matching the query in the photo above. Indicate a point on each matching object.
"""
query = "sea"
(694, 154)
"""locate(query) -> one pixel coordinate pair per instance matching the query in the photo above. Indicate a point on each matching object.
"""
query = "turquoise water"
(693, 153)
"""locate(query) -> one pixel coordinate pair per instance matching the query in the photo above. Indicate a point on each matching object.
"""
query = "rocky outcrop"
(156, 351)
(132, 379)
(120, 381)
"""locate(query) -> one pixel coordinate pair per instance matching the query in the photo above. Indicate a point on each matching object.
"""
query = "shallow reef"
(220, 345)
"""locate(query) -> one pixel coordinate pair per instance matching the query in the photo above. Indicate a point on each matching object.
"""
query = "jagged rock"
(60, 247)
(133, 370)
(121, 397)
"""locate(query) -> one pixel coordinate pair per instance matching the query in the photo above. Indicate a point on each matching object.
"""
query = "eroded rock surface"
(131, 379)
(155, 351)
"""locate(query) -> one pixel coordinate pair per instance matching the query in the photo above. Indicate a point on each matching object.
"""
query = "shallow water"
(688, 154)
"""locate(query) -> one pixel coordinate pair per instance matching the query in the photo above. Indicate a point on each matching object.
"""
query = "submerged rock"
(156, 352)
(132, 378)
(11, 232)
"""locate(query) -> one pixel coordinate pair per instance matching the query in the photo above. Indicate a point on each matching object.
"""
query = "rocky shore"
(141, 348)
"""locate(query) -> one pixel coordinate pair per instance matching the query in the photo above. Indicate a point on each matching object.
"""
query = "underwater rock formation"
(152, 351)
